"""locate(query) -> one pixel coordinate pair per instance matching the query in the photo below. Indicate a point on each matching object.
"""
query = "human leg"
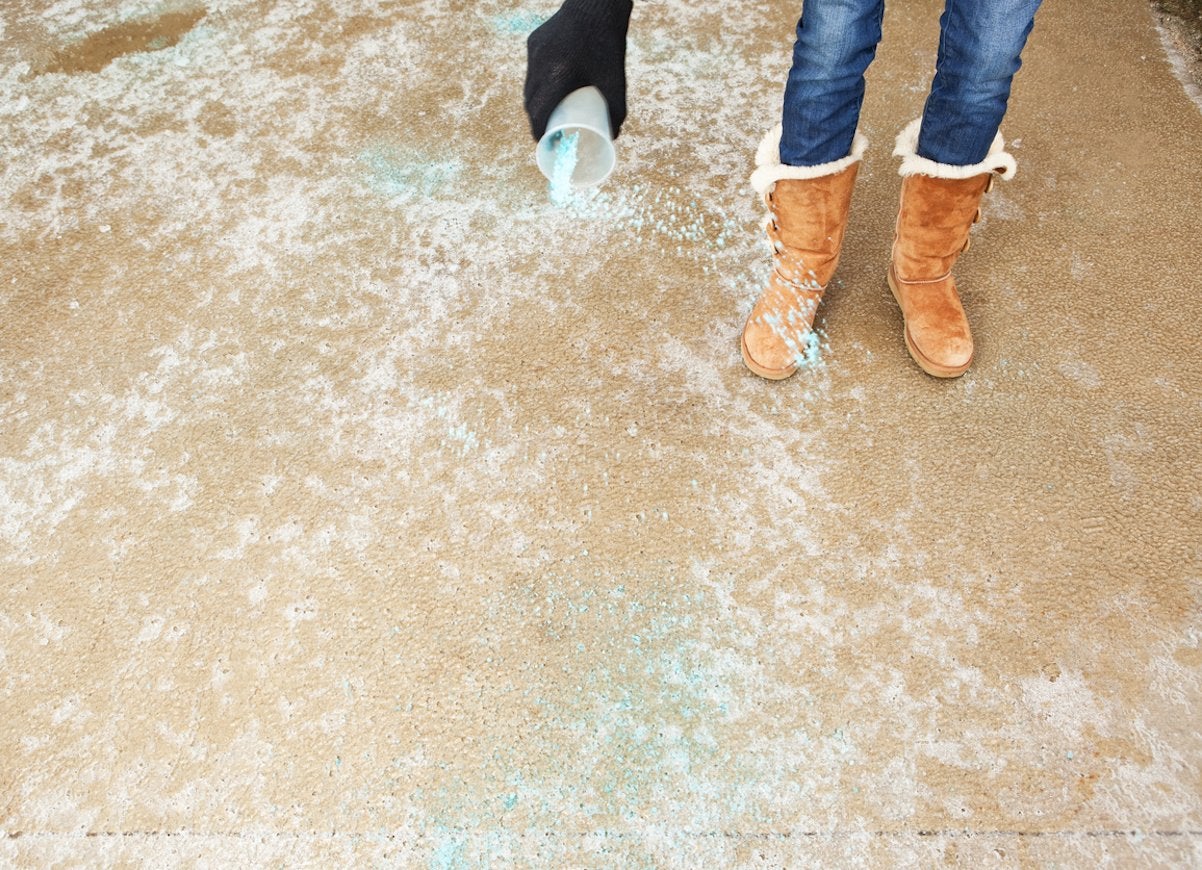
(805, 171)
(951, 157)
(836, 41)
(980, 48)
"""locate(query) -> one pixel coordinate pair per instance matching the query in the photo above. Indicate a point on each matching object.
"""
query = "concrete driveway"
(359, 507)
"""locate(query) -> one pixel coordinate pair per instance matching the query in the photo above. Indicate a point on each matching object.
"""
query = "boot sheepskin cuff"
(770, 170)
(997, 160)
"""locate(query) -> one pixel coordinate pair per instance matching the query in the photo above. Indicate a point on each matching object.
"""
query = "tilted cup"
(583, 111)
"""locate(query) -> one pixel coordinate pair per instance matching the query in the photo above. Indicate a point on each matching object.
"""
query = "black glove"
(582, 44)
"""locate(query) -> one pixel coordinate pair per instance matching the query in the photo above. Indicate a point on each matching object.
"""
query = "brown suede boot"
(939, 205)
(807, 215)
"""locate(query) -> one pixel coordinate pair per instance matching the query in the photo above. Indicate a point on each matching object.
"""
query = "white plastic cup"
(583, 111)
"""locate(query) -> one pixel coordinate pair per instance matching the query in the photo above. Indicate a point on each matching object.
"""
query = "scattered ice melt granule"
(517, 23)
(566, 156)
(675, 217)
(404, 173)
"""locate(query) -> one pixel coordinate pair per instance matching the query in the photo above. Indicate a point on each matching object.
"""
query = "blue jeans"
(980, 44)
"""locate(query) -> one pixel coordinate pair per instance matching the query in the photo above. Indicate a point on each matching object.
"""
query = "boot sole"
(931, 367)
(769, 374)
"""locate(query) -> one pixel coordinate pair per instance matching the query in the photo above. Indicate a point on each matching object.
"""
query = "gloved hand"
(582, 44)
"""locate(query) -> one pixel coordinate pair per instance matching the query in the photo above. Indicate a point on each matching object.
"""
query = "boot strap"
(902, 280)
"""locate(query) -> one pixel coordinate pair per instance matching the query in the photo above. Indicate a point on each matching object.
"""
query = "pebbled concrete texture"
(359, 507)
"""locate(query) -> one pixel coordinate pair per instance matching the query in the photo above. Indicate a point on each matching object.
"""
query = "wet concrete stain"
(97, 51)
